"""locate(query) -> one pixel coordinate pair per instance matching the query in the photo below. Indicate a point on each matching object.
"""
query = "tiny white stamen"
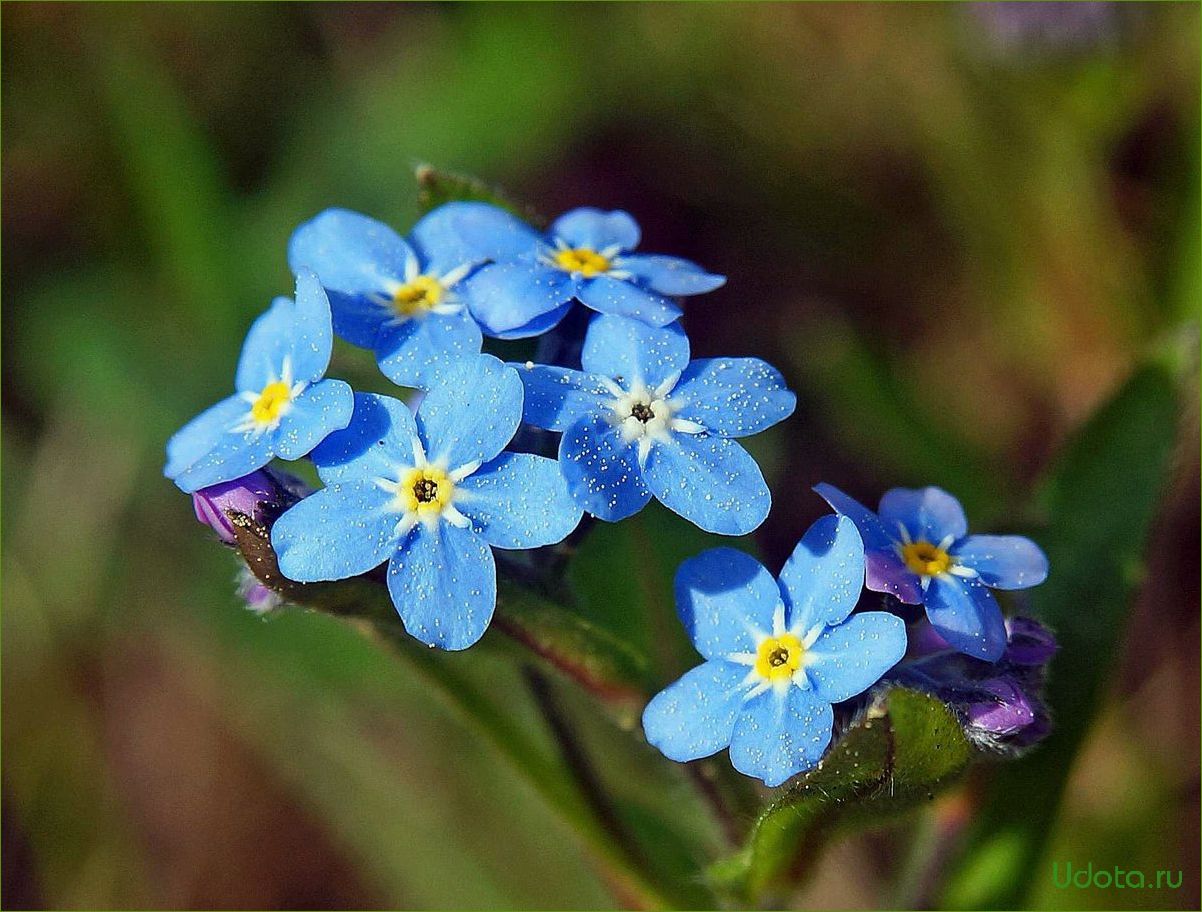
(455, 275)
(454, 517)
(684, 426)
(778, 620)
(412, 268)
(464, 471)
(661, 391)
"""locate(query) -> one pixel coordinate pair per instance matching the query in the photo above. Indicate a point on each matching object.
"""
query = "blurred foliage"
(954, 246)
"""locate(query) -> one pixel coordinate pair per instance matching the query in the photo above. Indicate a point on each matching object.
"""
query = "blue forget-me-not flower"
(918, 549)
(282, 407)
(430, 494)
(641, 419)
(778, 654)
(587, 255)
(399, 297)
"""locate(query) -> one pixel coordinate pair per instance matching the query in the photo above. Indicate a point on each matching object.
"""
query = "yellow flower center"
(271, 402)
(426, 491)
(778, 657)
(417, 297)
(926, 559)
(583, 260)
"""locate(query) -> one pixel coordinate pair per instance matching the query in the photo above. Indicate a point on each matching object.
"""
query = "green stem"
(364, 601)
(577, 761)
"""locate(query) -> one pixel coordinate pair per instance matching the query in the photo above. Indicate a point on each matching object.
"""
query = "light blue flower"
(587, 255)
(918, 549)
(641, 419)
(431, 495)
(778, 654)
(282, 408)
(399, 297)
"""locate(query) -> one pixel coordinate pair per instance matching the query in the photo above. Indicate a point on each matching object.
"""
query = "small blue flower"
(429, 494)
(400, 298)
(586, 256)
(918, 549)
(778, 654)
(282, 408)
(641, 419)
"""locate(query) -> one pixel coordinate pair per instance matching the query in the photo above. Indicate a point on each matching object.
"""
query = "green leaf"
(435, 188)
(1100, 499)
(905, 748)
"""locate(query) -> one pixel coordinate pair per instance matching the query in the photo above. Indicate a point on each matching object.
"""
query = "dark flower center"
(778, 657)
(425, 490)
(642, 412)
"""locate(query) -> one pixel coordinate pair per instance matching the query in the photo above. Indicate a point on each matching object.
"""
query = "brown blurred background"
(955, 228)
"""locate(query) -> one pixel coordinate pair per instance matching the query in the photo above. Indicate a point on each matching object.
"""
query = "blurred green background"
(956, 229)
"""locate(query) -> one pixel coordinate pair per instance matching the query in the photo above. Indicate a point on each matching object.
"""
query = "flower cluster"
(431, 493)
(428, 493)
(780, 654)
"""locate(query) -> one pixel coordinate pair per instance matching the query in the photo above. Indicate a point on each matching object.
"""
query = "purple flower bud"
(1003, 710)
(258, 597)
(998, 702)
(254, 495)
(1028, 642)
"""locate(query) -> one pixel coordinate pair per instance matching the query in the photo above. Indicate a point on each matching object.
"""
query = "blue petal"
(725, 600)
(848, 659)
(734, 397)
(437, 240)
(602, 472)
(444, 585)
(378, 440)
(618, 347)
(884, 569)
(506, 298)
(352, 254)
(339, 532)
(202, 433)
(596, 229)
(312, 340)
(965, 613)
(415, 352)
(519, 501)
(321, 409)
(491, 233)
(536, 326)
(1003, 561)
(694, 716)
(268, 342)
(823, 578)
(358, 320)
(299, 332)
(670, 275)
(232, 456)
(356, 258)
(928, 514)
(778, 735)
(558, 396)
(608, 295)
(472, 413)
(710, 481)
